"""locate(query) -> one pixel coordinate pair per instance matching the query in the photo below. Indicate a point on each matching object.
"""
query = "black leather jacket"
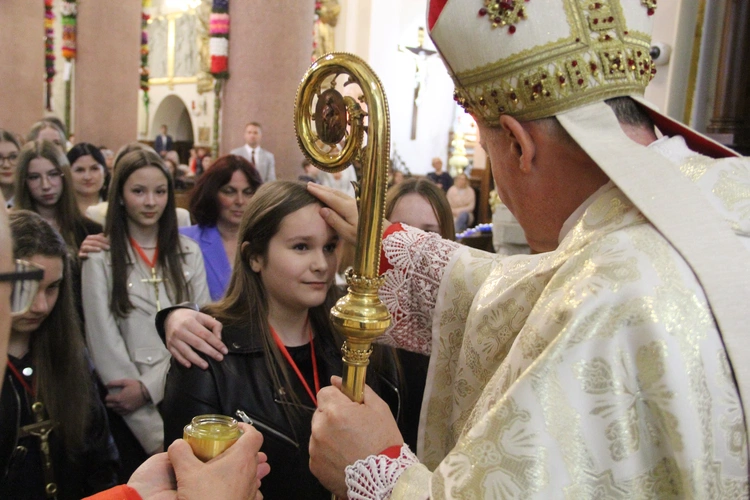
(78, 473)
(243, 382)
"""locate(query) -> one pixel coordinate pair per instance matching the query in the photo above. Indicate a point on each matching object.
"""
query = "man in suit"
(263, 160)
(163, 142)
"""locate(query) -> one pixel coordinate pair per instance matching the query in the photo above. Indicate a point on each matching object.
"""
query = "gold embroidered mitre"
(536, 58)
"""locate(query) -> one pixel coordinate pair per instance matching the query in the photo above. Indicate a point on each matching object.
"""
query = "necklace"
(291, 362)
(153, 280)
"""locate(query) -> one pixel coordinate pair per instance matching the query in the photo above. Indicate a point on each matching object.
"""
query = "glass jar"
(210, 435)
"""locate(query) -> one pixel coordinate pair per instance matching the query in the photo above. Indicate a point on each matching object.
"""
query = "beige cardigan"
(130, 348)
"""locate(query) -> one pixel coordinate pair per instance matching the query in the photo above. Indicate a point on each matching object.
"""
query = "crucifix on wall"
(420, 56)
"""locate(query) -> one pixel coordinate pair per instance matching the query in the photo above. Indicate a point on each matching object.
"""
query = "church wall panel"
(109, 45)
(21, 64)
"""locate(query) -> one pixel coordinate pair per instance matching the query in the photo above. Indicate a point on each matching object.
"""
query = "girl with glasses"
(9, 148)
(49, 393)
(148, 266)
(43, 185)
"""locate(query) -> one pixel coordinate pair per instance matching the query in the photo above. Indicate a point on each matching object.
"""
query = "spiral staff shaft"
(330, 130)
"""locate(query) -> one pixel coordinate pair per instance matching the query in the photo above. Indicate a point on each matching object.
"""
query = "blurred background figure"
(311, 172)
(340, 181)
(49, 131)
(90, 177)
(163, 142)
(9, 151)
(443, 179)
(217, 204)
(109, 158)
(463, 200)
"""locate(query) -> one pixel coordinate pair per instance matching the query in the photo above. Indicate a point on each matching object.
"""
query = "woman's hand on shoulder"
(94, 243)
(187, 331)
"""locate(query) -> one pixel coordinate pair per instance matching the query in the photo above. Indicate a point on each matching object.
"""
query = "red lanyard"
(150, 263)
(21, 379)
(289, 359)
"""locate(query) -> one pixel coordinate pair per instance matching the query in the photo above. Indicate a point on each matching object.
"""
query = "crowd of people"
(117, 253)
(607, 362)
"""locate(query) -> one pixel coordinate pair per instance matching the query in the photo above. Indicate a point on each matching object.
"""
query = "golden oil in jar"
(210, 435)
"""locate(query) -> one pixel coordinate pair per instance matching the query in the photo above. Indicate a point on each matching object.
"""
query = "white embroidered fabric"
(410, 289)
(374, 477)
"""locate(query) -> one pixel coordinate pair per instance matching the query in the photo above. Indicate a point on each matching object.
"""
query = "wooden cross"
(154, 280)
(41, 429)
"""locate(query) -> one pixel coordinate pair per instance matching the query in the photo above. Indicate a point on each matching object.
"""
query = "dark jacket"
(78, 473)
(243, 382)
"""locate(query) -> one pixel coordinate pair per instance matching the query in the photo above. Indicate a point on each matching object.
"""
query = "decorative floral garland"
(69, 10)
(218, 44)
(144, 72)
(49, 48)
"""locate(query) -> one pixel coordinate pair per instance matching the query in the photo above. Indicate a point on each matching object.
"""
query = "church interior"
(206, 82)
(133, 66)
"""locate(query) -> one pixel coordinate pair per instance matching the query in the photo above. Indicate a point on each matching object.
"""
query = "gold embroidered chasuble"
(595, 370)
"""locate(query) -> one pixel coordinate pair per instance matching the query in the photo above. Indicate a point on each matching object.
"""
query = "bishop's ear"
(520, 140)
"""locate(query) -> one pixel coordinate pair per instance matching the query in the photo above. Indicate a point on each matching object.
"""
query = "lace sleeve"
(416, 261)
(375, 477)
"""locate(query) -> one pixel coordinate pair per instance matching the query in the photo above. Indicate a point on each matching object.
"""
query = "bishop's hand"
(344, 431)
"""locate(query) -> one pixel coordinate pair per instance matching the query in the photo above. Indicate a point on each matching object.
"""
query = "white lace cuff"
(374, 477)
(411, 286)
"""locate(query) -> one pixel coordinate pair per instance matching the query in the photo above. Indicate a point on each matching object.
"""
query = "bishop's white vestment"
(595, 370)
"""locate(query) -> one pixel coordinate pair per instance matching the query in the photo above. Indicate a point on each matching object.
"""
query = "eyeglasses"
(10, 159)
(53, 177)
(24, 285)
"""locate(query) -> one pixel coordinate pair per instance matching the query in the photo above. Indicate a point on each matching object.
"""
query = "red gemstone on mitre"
(580, 81)
(511, 29)
(650, 12)
(561, 79)
(482, 12)
(537, 87)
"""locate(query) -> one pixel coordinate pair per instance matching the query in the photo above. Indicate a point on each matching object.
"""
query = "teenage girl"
(148, 266)
(49, 379)
(44, 185)
(281, 346)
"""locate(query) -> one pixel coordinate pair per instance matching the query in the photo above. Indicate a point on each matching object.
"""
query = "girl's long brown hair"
(68, 217)
(116, 227)
(64, 383)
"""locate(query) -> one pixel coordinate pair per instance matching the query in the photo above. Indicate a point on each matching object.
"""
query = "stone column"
(21, 65)
(730, 124)
(106, 73)
(270, 47)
